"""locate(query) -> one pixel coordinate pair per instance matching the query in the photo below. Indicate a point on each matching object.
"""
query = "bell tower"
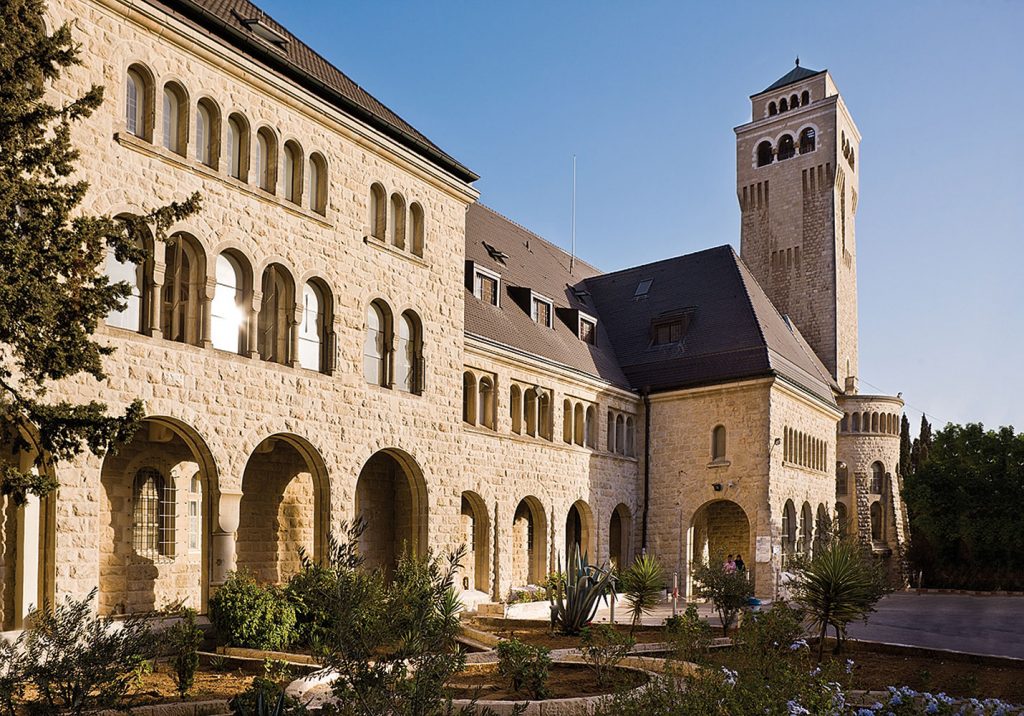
(796, 181)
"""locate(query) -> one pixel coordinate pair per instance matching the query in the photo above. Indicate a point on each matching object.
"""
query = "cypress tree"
(905, 466)
(52, 287)
(925, 440)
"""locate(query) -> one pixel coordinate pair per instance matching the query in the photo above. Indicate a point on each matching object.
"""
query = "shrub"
(181, 642)
(603, 647)
(265, 695)
(642, 584)
(689, 635)
(77, 662)
(729, 591)
(249, 614)
(13, 672)
(309, 593)
(526, 667)
(574, 604)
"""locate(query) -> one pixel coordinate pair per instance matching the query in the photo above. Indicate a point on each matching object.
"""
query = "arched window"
(238, 147)
(317, 183)
(789, 529)
(630, 437)
(877, 478)
(530, 409)
(375, 351)
(313, 329)
(486, 402)
(207, 132)
(578, 429)
(544, 415)
(764, 153)
(182, 312)
(378, 212)
(807, 140)
(292, 172)
(844, 424)
(842, 478)
(842, 520)
(131, 316)
(152, 515)
(718, 443)
(611, 431)
(416, 228)
(620, 435)
(877, 533)
(772, 109)
(175, 118)
(786, 147)
(784, 105)
(515, 409)
(567, 420)
(276, 315)
(195, 514)
(397, 220)
(590, 427)
(138, 100)
(805, 98)
(266, 160)
(407, 354)
(806, 528)
(468, 398)
(856, 423)
(794, 102)
(227, 319)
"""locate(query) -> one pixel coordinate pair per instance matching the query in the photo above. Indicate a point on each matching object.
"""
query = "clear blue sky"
(646, 94)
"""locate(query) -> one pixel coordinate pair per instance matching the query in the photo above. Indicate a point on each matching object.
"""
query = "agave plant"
(574, 603)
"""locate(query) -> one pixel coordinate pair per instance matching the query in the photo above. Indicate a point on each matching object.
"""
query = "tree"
(642, 584)
(728, 590)
(836, 586)
(905, 465)
(52, 289)
(924, 442)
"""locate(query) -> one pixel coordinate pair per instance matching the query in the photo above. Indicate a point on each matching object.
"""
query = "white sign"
(764, 549)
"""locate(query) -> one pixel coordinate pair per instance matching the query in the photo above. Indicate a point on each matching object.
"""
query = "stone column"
(252, 333)
(206, 324)
(156, 302)
(293, 336)
(223, 538)
(496, 558)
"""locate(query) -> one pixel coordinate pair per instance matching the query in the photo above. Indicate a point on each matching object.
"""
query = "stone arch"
(579, 531)
(620, 530)
(141, 580)
(806, 528)
(284, 507)
(789, 528)
(529, 540)
(391, 497)
(475, 531)
(719, 528)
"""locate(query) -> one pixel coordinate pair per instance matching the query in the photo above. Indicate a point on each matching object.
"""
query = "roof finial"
(798, 60)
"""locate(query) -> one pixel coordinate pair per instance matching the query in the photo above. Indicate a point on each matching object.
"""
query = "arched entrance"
(579, 532)
(529, 536)
(718, 529)
(26, 537)
(620, 528)
(391, 497)
(155, 520)
(475, 533)
(283, 507)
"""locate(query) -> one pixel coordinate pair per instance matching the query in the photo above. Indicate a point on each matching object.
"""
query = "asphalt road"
(979, 625)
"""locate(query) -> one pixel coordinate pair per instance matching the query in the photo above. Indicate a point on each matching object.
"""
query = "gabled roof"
(733, 331)
(297, 62)
(796, 74)
(541, 266)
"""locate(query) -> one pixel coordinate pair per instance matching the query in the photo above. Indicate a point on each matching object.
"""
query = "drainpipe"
(647, 463)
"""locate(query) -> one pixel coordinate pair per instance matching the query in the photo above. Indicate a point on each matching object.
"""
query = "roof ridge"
(661, 261)
(738, 265)
(537, 236)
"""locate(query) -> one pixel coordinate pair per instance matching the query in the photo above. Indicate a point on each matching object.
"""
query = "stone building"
(344, 331)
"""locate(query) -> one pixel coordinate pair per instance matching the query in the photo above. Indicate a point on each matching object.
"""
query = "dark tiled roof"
(796, 74)
(543, 267)
(734, 331)
(295, 60)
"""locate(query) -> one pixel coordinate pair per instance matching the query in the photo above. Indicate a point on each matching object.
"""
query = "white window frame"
(480, 271)
(586, 318)
(536, 298)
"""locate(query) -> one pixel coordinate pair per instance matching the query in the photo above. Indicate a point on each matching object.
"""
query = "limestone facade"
(253, 455)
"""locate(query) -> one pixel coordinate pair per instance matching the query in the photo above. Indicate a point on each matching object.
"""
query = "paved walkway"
(959, 622)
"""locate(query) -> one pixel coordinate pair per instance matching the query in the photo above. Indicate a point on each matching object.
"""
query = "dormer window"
(265, 32)
(670, 328)
(642, 288)
(540, 310)
(588, 331)
(485, 286)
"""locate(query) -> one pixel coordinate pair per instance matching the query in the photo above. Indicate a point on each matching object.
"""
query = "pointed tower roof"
(796, 74)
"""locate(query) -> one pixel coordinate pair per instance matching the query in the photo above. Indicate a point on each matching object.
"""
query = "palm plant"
(642, 584)
(574, 602)
(837, 586)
